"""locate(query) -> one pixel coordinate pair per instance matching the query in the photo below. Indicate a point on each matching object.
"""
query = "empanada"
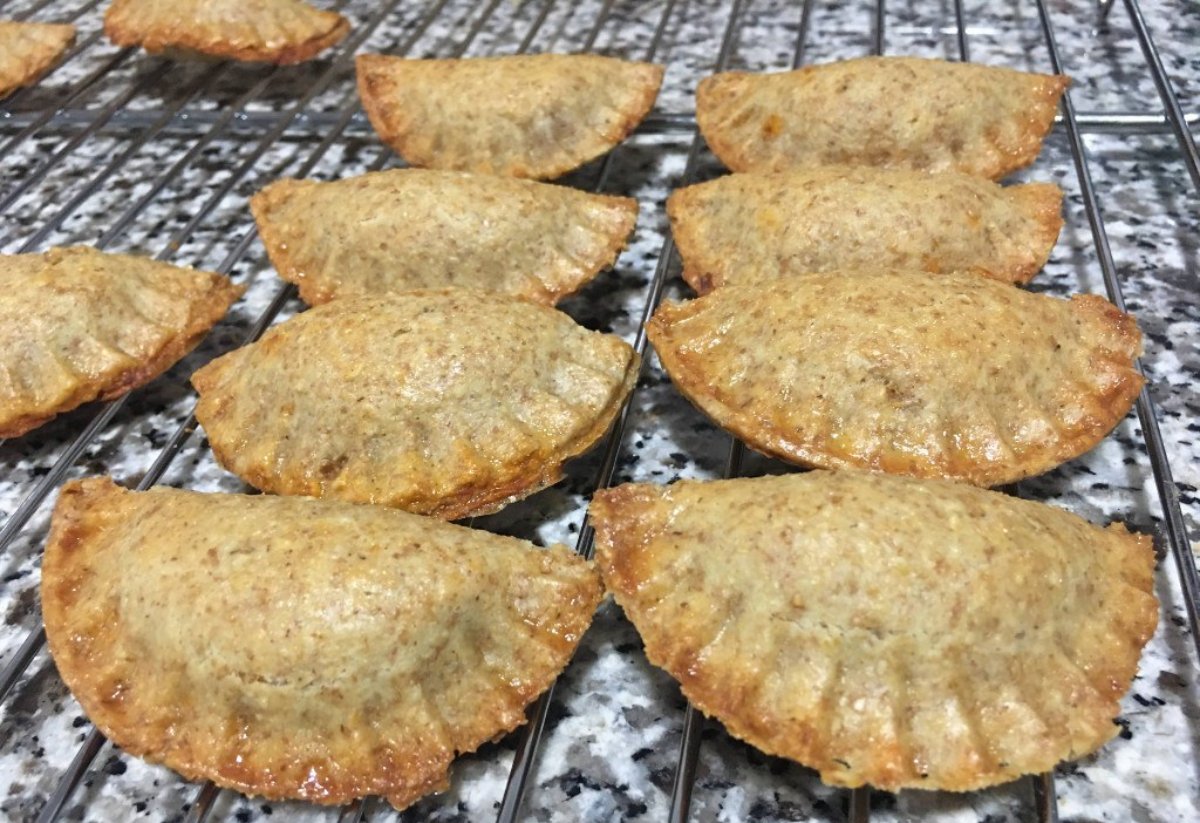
(408, 229)
(78, 325)
(538, 115)
(929, 375)
(449, 403)
(900, 112)
(882, 630)
(744, 228)
(29, 50)
(297, 648)
(272, 31)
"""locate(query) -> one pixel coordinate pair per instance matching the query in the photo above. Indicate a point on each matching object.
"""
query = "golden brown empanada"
(449, 403)
(537, 115)
(882, 630)
(929, 375)
(744, 228)
(29, 50)
(900, 112)
(272, 31)
(78, 325)
(297, 648)
(408, 229)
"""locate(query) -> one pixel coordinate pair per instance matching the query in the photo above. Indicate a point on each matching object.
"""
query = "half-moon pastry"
(929, 375)
(744, 228)
(271, 31)
(884, 631)
(78, 325)
(29, 50)
(536, 115)
(899, 112)
(296, 648)
(449, 403)
(407, 229)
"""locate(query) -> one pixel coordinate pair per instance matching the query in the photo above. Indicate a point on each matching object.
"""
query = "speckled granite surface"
(610, 747)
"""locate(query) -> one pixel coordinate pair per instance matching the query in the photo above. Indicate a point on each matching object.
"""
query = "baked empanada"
(29, 50)
(744, 228)
(930, 375)
(271, 31)
(297, 648)
(901, 112)
(78, 325)
(537, 115)
(882, 630)
(408, 229)
(449, 403)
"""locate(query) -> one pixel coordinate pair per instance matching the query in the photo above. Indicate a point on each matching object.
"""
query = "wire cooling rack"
(135, 153)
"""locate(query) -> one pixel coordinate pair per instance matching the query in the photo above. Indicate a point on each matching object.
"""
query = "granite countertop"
(611, 744)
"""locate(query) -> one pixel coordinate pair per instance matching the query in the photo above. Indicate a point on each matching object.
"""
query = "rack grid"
(74, 170)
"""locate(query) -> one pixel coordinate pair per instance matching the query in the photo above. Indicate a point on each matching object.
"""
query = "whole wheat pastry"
(78, 325)
(929, 375)
(538, 115)
(449, 403)
(883, 630)
(899, 112)
(271, 31)
(296, 648)
(29, 50)
(406, 229)
(744, 228)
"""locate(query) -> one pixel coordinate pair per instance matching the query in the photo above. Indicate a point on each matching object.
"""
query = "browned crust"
(396, 130)
(85, 509)
(760, 432)
(713, 95)
(121, 26)
(34, 70)
(205, 312)
(685, 229)
(627, 523)
(604, 259)
(1048, 89)
(1042, 202)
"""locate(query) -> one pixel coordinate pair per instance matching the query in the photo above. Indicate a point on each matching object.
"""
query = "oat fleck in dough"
(295, 648)
(744, 228)
(29, 50)
(950, 375)
(406, 229)
(537, 116)
(450, 403)
(885, 631)
(78, 325)
(271, 31)
(899, 112)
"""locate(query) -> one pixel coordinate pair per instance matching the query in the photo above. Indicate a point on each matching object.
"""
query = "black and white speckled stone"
(610, 748)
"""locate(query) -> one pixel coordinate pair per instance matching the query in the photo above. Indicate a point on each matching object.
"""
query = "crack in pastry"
(885, 631)
(537, 116)
(296, 648)
(406, 229)
(78, 325)
(929, 375)
(271, 31)
(29, 50)
(744, 228)
(450, 403)
(898, 112)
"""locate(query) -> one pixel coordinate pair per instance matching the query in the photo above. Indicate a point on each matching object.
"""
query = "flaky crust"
(29, 50)
(407, 229)
(78, 325)
(882, 630)
(538, 115)
(899, 112)
(271, 31)
(297, 648)
(950, 375)
(449, 403)
(744, 228)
